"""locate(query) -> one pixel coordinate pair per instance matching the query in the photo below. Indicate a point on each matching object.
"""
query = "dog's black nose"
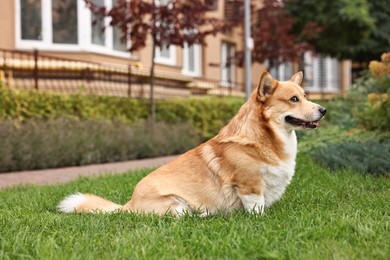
(322, 110)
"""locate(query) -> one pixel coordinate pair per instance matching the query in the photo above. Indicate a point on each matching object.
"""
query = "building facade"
(63, 29)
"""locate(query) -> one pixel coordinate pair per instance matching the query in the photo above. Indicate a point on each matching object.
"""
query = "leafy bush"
(208, 115)
(340, 112)
(357, 110)
(309, 140)
(376, 117)
(371, 156)
(25, 104)
(37, 144)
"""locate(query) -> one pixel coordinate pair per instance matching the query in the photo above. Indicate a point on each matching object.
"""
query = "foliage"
(274, 40)
(208, 115)
(367, 103)
(22, 104)
(347, 25)
(310, 140)
(379, 69)
(370, 157)
(37, 144)
(379, 38)
(375, 112)
(341, 111)
(357, 128)
(321, 215)
(166, 23)
(376, 117)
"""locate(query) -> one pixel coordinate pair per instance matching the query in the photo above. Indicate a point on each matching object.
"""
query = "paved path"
(62, 175)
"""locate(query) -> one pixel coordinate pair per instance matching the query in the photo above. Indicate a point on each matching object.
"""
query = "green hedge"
(37, 144)
(208, 115)
(25, 104)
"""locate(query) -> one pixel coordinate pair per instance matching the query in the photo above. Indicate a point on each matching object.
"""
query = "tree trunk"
(151, 95)
(152, 105)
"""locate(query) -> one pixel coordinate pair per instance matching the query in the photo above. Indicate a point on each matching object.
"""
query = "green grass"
(323, 215)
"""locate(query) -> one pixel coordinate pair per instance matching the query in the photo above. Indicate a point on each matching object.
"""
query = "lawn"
(323, 215)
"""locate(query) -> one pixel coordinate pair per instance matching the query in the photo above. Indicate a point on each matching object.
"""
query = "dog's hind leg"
(169, 204)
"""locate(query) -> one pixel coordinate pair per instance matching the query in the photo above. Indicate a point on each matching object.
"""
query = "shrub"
(341, 112)
(366, 105)
(380, 68)
(37, 144)
(309, 140)
(376, 117)
(25, 104)
(371, 156)
(208, 115)
(369, 102)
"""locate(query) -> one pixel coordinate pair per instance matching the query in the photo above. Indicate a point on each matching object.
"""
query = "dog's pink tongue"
(315, 123)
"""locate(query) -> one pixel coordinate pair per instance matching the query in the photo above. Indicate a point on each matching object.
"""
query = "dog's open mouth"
(305, 124)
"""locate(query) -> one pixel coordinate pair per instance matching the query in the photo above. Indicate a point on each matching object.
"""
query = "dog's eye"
(294, 99)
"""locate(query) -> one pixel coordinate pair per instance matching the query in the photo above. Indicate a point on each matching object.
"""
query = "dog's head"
(285, 103)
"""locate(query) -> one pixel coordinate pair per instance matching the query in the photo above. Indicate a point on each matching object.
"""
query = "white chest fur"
(276, 178)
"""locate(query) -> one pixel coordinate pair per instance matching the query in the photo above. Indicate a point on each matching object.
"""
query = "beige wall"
(145, 57)
(346, 77)
(211, 54)
(91, 57)
(7, 24)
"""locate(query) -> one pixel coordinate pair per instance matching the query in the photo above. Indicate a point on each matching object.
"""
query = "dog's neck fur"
(251, 127)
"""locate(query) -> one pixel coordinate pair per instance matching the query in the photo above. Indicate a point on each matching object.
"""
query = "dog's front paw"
(257, 209)
(253, 203)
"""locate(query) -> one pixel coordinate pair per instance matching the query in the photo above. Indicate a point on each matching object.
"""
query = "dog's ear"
(266, 86)
(297, 78)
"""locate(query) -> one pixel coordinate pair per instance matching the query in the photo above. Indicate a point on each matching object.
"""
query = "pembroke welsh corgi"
(247, 165)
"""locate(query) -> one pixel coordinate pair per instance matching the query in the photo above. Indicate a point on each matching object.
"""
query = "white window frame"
(333, 79)
(280, 72)
(171, 60)
(197, 61)
(84, 30)
(224, 71)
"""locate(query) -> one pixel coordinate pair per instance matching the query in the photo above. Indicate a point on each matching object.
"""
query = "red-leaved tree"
(273, 37)
(168, 22)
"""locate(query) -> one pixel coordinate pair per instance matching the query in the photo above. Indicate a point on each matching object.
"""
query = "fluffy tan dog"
(248, 165)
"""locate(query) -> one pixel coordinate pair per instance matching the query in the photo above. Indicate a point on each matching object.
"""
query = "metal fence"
(28, 70)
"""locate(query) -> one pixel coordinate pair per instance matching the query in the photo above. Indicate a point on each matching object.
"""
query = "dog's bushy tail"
(87, 203)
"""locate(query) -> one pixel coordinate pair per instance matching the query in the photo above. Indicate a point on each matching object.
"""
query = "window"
(192, 60)
(321, 73)
(66, 25)
(283, 72)
(31, 19)
(227, 64)
(118, 44)
(165, 54)
(64, 21)
(98, 35)
(104, 35)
